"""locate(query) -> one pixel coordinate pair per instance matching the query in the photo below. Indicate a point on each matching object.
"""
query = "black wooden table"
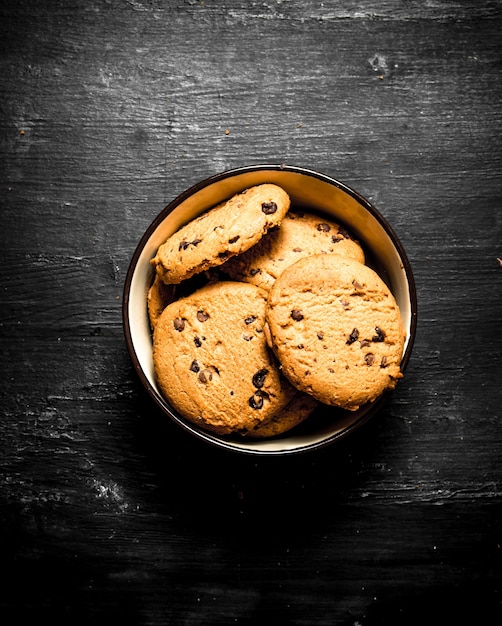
(109, 110)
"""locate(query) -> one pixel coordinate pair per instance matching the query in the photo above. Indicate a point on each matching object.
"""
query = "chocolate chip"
(247, 337)
(383, 362)
(184, 244)
(369, 358)
(364, 343)
(253, 272)
(259, 378)
(224, 255)
(323, 227)
(343, 232)
(297, 249)
(256, 400)
(202, 316)
(354, 336)
(336, 239)
(207, 374)
(197, 342)
(234, 239)
(179, 324)
(356, 284)
(297, 315)
(320, 335)
(269, 207)
(380, 335)
(194, 367)
(250, 319)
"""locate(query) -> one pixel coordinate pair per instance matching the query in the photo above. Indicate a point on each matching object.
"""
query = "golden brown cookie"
(159, 296)
(226, 230)
(336, 329)
(293, 414)
(300, 234)
(212, 361)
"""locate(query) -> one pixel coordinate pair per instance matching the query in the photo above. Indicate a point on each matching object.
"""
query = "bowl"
(309, 190)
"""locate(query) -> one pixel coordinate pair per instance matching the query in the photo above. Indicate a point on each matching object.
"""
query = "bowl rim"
(208, 437)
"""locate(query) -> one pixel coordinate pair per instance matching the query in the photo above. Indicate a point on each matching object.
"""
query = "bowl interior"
(307, 189)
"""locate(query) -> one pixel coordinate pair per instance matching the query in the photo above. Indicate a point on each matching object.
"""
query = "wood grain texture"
(108, 111)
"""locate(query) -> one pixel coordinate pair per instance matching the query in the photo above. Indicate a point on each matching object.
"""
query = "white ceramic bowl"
(307, 189)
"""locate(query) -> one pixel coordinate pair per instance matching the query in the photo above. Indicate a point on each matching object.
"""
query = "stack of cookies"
(260, 312)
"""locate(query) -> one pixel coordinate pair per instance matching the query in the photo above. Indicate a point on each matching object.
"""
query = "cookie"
(300, 234)
(293, 414)
(228, 229)
(159, 296)
(212, 361)
(336, 329)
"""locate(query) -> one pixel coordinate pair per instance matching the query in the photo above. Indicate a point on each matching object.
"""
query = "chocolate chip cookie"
(300, 234)
(228, 229)
(293, 414)
(336, 329)
(159, 296)
(212, 362)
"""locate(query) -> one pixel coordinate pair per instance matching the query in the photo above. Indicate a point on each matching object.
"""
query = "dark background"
(109, 110)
